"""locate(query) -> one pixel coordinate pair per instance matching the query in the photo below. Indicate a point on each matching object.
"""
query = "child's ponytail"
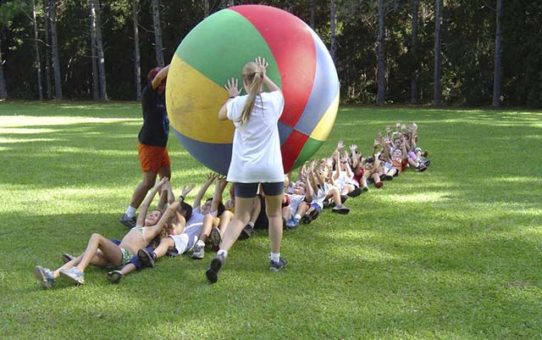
(253, 75)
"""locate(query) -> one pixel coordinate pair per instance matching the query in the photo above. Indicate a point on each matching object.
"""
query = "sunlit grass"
(453, 252)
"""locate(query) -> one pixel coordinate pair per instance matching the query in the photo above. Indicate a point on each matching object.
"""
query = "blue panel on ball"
(214, 156)
(284, 132)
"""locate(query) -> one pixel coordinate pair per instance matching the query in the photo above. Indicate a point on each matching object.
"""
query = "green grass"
(454, 252)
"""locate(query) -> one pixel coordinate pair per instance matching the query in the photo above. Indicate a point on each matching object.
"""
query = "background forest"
(480, 52)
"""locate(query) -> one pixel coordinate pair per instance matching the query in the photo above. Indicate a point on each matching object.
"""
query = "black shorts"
(249, 190)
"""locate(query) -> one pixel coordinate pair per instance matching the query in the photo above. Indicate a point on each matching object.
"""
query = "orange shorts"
(152, 158)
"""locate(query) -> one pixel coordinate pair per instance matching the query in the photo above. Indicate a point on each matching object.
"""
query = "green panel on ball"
(309, 149)
(222, 44)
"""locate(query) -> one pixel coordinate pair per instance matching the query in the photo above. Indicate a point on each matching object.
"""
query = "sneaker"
(214, 268)
(276, 266)
(215, 238)
(314, 214)
(74, 274)
(67, 258)
(115, 276)
(128, 222)
(365, 189)
(44, 276)
(146, 258)
(306, 219)
(341, 209)
(421, 168)
(292, 223)
(246, 232)
(355, 193)
(379, 185)
(344, 198)
(387, 178)
(198, 252)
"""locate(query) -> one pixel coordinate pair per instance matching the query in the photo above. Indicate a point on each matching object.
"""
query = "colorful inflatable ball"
(216, 50)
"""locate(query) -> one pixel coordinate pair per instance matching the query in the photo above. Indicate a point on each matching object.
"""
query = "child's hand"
(262, 64)
(232, 87)
(340, 145)
(186, 189)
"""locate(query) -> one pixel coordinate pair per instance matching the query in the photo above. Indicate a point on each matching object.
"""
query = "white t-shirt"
(256, 153)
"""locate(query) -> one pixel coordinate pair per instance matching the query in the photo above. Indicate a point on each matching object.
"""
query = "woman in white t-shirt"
(256, 158)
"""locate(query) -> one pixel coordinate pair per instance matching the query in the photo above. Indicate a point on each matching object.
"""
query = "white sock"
(275, 257)
(222, 252)
(130, 211)
(297, 217)
(251, 224)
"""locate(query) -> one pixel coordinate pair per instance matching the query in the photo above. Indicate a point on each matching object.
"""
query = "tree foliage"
(468, 46)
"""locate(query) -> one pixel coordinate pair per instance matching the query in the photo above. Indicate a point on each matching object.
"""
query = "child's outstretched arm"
(147, 202)
(210, 178)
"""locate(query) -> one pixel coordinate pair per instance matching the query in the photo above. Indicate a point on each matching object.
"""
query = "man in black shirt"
(153, 136)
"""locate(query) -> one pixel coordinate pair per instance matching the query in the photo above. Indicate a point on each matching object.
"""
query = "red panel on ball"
(292, 45)
(291, 149)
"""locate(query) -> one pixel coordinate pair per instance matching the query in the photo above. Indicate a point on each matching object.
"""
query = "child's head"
(185, 210)
(299, 188)
(153, 217)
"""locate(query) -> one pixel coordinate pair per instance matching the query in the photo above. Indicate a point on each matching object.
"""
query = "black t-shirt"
(155, 127)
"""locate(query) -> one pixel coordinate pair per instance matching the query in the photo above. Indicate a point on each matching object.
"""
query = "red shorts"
(152, 158)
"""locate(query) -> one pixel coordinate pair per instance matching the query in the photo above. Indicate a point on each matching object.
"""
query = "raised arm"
(165, 219)
(210, 178)
(220, 185)
(147, 202)
(232, 86)
(267, 82)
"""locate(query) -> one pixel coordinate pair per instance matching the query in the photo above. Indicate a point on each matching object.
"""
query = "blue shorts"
(316, 207)
(249, 190)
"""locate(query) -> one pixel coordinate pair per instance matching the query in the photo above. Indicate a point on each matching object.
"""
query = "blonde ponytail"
(253, 75)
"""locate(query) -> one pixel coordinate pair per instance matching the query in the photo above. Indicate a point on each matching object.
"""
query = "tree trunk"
(54, 50)
(100, 52)
(205, 8)
(93, 55)
(332, 23)
(312, 11)
(381, 67)
(3, 89)
(497, 72)
(157, 33)
(413, 53)
(437, 90)
(137, 55)
(47, 54)
(37, 63)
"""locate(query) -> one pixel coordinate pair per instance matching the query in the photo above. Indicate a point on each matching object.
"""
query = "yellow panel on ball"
(192, 110)
(323, 129)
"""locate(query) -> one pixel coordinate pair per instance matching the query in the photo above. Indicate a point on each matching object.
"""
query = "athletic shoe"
(341, 209)
(314, 214)
(67, 258)
(365, 189)
(115, 276)
(44, 276)
(215, 238)
(292, 223)
(74, 274)
(387, 178)
(379, 185)
(355, 193)
(306, 219)
(146, 258)
(276, 266)
(421, 168)
(214, 268)
(128, 222)
(198, 252)
(343, 198)
(246, 232)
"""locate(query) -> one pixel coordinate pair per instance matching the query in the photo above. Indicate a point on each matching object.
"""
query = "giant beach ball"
(217, 49)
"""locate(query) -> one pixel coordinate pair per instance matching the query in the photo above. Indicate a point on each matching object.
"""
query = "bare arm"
(160, 77)
(210, 178)
(147, 202)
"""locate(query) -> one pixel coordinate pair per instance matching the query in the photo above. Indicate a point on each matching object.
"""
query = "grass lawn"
(454, 252)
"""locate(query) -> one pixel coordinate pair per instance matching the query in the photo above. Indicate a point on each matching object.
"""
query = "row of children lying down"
(175, 227)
